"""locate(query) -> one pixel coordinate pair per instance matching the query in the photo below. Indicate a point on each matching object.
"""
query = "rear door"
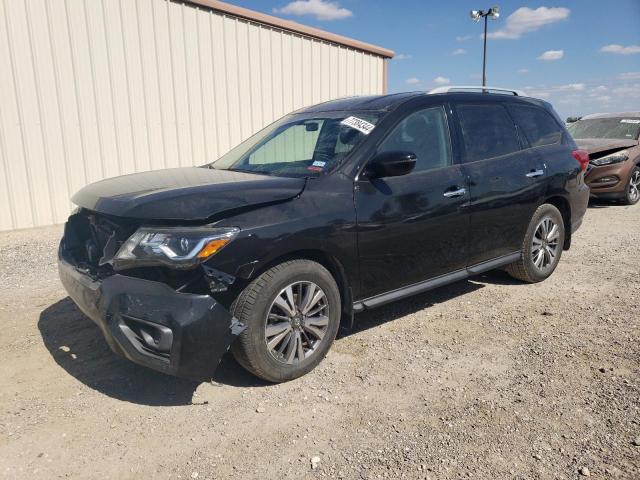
(413, 227)
(506, 180)
(543, 135)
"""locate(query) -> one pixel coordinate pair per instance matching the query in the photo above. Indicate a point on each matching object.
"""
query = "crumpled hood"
(191, 193)
(597, 145)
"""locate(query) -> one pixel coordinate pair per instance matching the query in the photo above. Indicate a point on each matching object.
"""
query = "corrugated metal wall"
(97, 88)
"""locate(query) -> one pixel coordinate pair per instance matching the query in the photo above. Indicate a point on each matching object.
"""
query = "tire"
(632, 192)
(265, 297)
(527, 268)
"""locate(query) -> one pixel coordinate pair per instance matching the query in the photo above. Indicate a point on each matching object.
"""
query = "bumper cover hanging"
(151, 324)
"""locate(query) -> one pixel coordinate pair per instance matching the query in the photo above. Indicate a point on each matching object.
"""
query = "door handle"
(535, 173)
(455, 193)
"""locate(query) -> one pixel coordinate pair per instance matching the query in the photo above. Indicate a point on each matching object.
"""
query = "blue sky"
(591, 64)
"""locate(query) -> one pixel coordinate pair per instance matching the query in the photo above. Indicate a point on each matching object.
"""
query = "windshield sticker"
(359, 124)
(629, 120)
(318, 163)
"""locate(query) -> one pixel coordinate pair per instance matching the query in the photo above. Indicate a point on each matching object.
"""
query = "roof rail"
(447, 89)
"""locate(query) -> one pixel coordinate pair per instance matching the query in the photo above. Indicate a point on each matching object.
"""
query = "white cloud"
(629, 76)
(464, 38)
(523, 70)
(631, 90)
(525, 20)
(441, 81)
(321, 9)
(538, 93)
(403, 56)
(550, 55)
(574, 99)
(413, 81)
(572, 87)
(459, 51)
(620, 50)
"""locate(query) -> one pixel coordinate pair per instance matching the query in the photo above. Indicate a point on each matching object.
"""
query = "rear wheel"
(542, 246)
(292, 313)
(632, 194)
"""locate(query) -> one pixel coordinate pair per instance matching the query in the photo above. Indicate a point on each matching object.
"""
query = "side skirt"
(436, 282)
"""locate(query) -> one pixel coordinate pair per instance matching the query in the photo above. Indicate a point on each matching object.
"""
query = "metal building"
(91, 89)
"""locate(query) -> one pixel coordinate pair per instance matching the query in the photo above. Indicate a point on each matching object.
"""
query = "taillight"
(582, 156)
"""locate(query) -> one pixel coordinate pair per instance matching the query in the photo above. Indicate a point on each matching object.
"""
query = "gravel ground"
(487, 378)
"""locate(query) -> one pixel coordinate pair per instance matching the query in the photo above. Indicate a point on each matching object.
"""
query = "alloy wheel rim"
(545, 243)
(634, 185)
(297, 322)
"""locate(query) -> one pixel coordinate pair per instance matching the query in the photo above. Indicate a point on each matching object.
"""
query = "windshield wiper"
(257, 172)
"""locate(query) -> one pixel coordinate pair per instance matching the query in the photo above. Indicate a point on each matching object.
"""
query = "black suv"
(331, 210)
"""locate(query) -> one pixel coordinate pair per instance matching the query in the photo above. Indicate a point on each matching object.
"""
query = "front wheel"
(632, 194)
(292, 313)
(542, 246)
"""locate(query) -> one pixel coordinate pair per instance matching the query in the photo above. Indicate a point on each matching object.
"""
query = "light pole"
(476, 15)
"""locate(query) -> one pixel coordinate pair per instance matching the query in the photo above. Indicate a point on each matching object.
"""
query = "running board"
(436, 282)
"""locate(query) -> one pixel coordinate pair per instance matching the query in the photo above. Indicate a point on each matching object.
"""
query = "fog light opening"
(610, 179)
(152, 338)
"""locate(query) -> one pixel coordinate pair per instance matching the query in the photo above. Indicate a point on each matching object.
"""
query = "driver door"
(413, 227)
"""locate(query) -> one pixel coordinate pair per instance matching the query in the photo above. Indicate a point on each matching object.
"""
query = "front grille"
(91, 239)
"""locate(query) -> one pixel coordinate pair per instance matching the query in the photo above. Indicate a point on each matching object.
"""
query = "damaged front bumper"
(151, 324)
(609, 181)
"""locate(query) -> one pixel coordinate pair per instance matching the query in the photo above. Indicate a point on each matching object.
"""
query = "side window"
(424, 133)
(537, 125)
(487, 131)
(296, 143)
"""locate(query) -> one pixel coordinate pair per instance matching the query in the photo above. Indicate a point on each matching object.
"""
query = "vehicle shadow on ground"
(76, 344)
(401, 308)
(597, 203)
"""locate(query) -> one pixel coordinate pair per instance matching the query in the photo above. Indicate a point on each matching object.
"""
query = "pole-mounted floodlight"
(476, 15)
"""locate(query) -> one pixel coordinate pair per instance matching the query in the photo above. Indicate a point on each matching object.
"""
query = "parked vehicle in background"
(331, 210)
(612, 142)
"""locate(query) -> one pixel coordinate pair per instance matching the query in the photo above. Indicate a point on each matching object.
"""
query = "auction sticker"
(359, 124)
(630, 120)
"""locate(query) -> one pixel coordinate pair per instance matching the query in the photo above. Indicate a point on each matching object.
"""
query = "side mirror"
(391, 164)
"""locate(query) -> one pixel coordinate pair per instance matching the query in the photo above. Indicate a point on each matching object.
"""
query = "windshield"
(621, 128)
(300, 145)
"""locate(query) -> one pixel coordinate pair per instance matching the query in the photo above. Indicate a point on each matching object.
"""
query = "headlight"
(609, 159)
(174, 247)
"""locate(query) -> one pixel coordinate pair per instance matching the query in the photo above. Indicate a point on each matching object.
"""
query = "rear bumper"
(153, 325)
(579, 201)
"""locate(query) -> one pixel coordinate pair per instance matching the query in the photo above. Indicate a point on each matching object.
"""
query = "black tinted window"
(538, 126)
(424, 133)
(488, 131)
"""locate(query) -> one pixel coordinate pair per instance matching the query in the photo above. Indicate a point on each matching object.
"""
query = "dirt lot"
(487, 378)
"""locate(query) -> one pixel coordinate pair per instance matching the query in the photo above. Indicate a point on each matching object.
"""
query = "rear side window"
(537, 125)
(424, 133)
(487, 131)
